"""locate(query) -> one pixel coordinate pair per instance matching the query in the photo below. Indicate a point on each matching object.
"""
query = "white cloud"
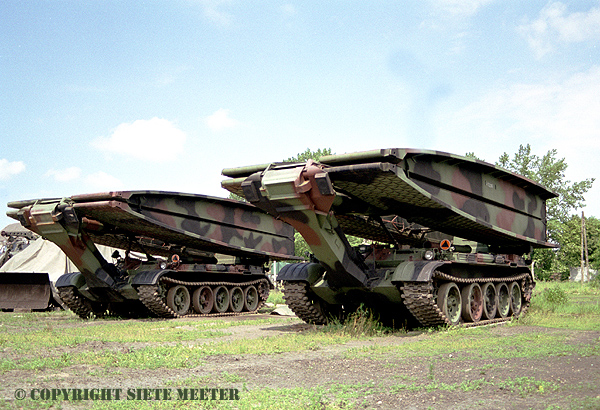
(8, 168)
(63, 175)
(220, 120)
(554, 25)
(563, 115)
(213, 11)
(101, 181)
(156, 140)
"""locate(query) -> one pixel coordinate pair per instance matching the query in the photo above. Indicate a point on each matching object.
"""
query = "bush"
(554, 297)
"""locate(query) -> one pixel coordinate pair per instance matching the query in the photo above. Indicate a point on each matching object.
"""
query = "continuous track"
(297, 299)
(152, 297)
(76, 303)
(419, 298)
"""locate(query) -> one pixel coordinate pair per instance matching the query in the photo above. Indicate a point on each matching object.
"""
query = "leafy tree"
(472, 155)
(569, 254)
(308, 154)
(549, 171)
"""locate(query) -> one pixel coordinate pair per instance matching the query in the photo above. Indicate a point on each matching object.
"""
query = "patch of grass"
(179, 355)
(552, 298)
(528, 385)
(361, 323)
(478, 343)
(318, 398)
(231, 378)
(589, 403)
(19, 337)
(566, 305)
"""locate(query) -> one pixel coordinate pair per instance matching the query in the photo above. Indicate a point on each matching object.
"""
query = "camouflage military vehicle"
(411, 207)
(200, 255)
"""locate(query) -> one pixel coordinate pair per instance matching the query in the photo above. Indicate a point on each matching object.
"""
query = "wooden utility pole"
(585, 263)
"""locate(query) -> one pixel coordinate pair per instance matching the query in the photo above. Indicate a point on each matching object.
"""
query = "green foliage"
(554, 297)
(595, 282)
(569, 254)
(276, 298)
(568, 305)
(308, 154)
(359, 323)
(472, 155)
(549, 171)
(236, 197)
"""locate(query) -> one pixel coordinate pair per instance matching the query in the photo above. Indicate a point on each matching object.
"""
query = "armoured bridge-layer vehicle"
(447, 239)
(181, 254)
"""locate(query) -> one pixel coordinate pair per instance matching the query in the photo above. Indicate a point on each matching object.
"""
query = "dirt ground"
(575, 379)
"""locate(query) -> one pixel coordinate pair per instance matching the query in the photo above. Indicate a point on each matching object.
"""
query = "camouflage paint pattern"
(203, 223)
(158, 223)
(451, 194)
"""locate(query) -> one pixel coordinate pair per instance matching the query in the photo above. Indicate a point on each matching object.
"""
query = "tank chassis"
(183, 255)
(412, 207)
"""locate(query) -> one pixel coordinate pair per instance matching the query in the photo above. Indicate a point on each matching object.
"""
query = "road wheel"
(515, 299)
(251, 298)
(203, 300)
(449, 301)
(221, 299)
(236, 299)
(472, 303)
(178, 299)
(490, 300)
(503, 300)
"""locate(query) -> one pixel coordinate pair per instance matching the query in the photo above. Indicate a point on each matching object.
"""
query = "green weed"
(528, 385)
(276, 297)
(361, 323)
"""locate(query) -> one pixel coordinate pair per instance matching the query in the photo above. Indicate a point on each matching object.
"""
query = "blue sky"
(114, 95)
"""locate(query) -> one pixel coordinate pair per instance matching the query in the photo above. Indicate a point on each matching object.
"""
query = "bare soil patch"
(569, 381)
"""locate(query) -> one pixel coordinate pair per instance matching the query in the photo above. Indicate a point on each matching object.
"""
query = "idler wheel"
(503, 300)
(449, 301)
(178, 299)
(203, 300)
(236, 299)
(515, 299)
(221, 299)
(472, 303)
(490, 300)
(251, 298)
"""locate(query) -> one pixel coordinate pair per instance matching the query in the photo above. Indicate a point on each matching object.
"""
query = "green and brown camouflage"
(416, 204)
(191, 231)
